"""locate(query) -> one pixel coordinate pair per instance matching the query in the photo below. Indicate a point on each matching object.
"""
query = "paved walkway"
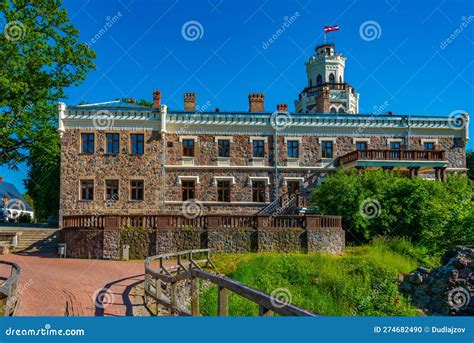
(76, 287)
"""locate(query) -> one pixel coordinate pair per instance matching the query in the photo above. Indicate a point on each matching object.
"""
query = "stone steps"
(35, 240)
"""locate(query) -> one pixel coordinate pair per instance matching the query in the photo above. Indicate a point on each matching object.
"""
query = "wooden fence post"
(262, 311)
(158, 292)
(174, 299)
(195, 310)
(223, 301)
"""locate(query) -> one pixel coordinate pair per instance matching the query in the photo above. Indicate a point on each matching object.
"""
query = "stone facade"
(108, 244)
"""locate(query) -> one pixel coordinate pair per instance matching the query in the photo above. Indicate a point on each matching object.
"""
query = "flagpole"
(324, 36)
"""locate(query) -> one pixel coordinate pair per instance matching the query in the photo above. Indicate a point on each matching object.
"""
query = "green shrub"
(432, 214)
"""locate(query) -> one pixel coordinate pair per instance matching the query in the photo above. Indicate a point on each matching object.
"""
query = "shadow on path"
(105, 297)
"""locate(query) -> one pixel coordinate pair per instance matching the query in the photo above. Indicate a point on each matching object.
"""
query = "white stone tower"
(327, 91)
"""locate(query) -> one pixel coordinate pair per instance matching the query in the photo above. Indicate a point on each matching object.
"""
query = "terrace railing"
(9, 290)
(387, 155)
(184, 266)
(204, 222)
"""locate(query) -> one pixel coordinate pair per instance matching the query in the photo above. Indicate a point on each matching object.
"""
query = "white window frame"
(327, 139)
(359, 140)
(290, 178)
(224, 138)
(224, 178)
(194, 138)
(258, 178)
(429, 140)
(188, 178)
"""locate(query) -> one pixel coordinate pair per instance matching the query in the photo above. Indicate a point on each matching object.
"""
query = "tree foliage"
(40, 56)
(433, 214)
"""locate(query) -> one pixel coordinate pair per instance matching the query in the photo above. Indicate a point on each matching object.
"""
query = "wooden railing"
(384, 155)
(185, 267)
(204, 222)
(9, 290)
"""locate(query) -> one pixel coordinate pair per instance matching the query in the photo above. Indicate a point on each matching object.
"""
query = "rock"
(447, 290)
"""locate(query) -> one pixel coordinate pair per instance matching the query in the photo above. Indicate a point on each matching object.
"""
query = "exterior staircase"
(34, 240)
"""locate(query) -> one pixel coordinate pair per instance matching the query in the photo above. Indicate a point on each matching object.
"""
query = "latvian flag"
(330, 28)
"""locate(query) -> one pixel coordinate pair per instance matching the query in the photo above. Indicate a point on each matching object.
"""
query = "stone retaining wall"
(108, 243)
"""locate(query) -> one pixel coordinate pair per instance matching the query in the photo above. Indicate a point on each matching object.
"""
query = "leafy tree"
(433, 214)
(40, 56)
(470, 164)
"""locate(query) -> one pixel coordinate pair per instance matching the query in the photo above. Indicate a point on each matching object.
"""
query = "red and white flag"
(331, 28)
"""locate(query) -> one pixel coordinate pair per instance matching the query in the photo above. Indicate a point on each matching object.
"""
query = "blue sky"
(408, 64)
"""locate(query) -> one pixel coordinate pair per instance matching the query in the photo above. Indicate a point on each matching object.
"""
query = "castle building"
(121, 158)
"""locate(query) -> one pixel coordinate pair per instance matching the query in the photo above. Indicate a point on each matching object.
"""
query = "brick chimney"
(189, 102)
(256, 102)
(157, 100)
(282, 107)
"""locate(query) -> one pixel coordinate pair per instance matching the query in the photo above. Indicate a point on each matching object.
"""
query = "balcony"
(330, 86)
(411, 160)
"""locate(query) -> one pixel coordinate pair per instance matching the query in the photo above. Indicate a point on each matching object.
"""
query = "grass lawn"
(362, 282)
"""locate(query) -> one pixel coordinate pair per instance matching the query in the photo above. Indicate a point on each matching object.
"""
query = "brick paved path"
(75, 287)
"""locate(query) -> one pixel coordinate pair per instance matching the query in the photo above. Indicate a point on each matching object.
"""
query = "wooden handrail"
(387, 154)
(170, 275)
(206, 222)
(9, 290)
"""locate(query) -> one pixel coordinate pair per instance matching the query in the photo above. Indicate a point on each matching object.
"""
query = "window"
(293, 149)
(87, 143)
(333, 110)
(395, 146)
(258, 191)
(223, 147)
(328, 51)
(331, 78)
(259, 148)
(112, 143)
(111, 190)
(137, 144)
(293, 188)
(188, 147)
(223, 191)
(428, 145)
(136, 190)
(188, 189)
(311, 82)
(340, 79)
(326, 149)
(361, 145)
(341, 110)
(319, 80)
(87, 190)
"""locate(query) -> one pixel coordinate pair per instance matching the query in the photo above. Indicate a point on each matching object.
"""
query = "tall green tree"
(40, 55)
(470, 164)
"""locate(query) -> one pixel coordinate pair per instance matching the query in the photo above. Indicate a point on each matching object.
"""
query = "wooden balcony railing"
(386, 155)
(204, 221)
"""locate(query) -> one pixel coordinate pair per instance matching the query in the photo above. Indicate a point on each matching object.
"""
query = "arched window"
(331, 78)
(311, 82)
(319, 80)
(341, 110)
(340, 79)
(333, 110)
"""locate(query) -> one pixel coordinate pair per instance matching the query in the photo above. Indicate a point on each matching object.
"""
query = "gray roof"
(9, 190)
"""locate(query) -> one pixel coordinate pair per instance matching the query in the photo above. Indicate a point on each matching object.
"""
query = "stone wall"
(282, 240)
(108, 243)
